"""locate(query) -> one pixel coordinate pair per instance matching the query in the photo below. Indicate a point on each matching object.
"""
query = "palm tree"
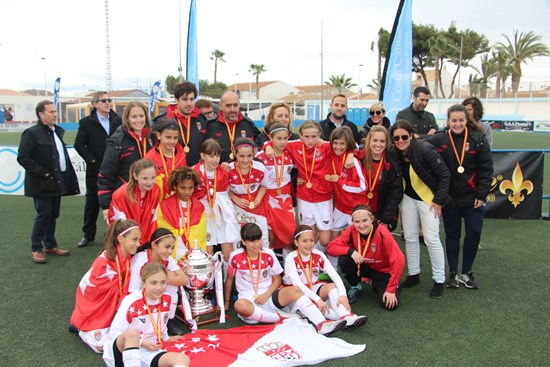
(258, 69)
(522, 48)
(504, 69)
(438, 48)
(381, 46)
(340, 82)
(217, 55)
(487, 71)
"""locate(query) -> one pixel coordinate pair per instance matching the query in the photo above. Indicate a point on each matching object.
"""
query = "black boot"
(411, 281)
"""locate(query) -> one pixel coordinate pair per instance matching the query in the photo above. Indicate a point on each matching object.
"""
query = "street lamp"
(359, 81)
(45, 78)
(236, 75)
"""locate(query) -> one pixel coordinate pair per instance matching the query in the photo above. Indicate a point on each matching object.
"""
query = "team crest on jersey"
(166, 318)
(243, 133)
(467, 146)
(317, 154)
(142, 319)
(97, 335)
(264, 273)
(198, 125)
(316, 272)
(279, 351)
(299, 273)
(373, 247)
(208, 236)
(253, 187)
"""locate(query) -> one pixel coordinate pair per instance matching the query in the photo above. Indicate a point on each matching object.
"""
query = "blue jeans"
(43, 231)
(473, 223)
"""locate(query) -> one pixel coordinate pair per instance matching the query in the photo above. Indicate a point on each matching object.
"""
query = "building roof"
(11, 92)
(37, 92)
(251, 84)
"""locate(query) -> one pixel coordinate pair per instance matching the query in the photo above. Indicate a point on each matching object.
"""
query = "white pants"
(413, 213)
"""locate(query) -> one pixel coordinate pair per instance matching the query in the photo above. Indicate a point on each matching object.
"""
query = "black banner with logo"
(516, 191)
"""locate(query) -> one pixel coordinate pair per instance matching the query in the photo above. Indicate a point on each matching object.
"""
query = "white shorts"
(144, 355)
(316, 214)
(268, 306)
(341, 220)
(223, 228)
(94, 338)
(244, 217)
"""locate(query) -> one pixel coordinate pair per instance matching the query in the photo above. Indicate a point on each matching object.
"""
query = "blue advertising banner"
(154, 94)
(56, 87)
(192, 67)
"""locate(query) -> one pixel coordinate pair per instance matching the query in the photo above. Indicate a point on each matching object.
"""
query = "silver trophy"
(200, 269)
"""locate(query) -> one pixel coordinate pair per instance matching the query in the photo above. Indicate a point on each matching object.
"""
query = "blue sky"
(283, 35)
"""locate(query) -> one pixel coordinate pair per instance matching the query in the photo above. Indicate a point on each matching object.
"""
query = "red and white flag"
(290, 343)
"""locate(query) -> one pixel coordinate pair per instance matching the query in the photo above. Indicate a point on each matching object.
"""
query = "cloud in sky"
(284, 35)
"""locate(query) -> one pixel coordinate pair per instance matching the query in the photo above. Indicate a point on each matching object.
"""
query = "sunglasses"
(401, 137)
(378, 113)
(208, 112)
(105, 100)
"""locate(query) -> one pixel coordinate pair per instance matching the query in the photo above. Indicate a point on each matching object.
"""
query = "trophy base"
(202, 319)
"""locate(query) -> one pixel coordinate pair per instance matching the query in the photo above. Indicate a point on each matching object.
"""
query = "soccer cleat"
(411, 281)
(468, 280)
(329, 327)
(437, 290)
(353, 321)
(453, 281)
(353, 293)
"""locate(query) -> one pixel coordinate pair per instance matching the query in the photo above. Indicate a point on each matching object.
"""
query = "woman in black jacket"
(129, 143)
(426, 187)
(383, 178)
(467, 153)
(377, 117)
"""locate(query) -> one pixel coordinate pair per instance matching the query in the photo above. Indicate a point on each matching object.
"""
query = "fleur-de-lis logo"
(517, 185)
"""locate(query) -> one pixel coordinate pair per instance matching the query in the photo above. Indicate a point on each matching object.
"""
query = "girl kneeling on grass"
(139, 327)
(105, 284)
(302, 268)
(367, 249)
(258, 281)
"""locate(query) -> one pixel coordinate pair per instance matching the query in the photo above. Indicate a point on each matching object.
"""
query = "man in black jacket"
(423, 122)
(49, 175)
(93, 131)
(337, 118)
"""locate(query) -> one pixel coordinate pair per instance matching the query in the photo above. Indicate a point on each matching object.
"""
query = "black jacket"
(39, 157)
(120, 152)
(218, 131)
(390, 192)
(475, 181)
(422, 121)
(328, 126)
(91, 137)
(369, 124)
(430, 168)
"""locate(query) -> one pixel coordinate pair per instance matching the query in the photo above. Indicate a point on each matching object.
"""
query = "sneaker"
(411, 281)
(468, 280)
(329, 327)
(353, 321)
(453, 281)
(353, 293)
(437, 290)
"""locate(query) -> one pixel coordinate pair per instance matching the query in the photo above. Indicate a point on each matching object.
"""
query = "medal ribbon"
(334, 167)
(185, 226)
(372, 181)
(231, 133)
(137, 139)
(119, 275)
(156, 326)
(308, 176)
(166, 172)
(461, 159)
(184, 138)
(365, 249)
(211, 198)
(310, 278)
(255, 284)
(279, 176)
(247, 186)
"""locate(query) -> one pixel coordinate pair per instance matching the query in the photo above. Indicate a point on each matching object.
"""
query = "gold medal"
(309, 185)
(460, 169)
(251, 205)
(279, 191)
(186, 149)
(327, 177)
(370, 195)
(212, 215)
(231, 156)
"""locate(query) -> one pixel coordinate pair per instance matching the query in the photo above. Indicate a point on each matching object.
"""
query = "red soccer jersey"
(246, 185)
(349, 190)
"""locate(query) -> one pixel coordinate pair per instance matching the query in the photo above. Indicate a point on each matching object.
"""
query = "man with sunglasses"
(93, 131)
(337, 118)
(423, 122)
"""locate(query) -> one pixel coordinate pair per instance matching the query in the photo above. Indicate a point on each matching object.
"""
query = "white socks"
(310, 310)
(130, 357)
(261, 315)
(340, 310)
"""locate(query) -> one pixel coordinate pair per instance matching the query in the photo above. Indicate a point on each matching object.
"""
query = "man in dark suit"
(93, 131)
(49, 175)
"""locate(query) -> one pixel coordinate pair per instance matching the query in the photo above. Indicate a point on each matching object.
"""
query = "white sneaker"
(353, 321)
(328, 327)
